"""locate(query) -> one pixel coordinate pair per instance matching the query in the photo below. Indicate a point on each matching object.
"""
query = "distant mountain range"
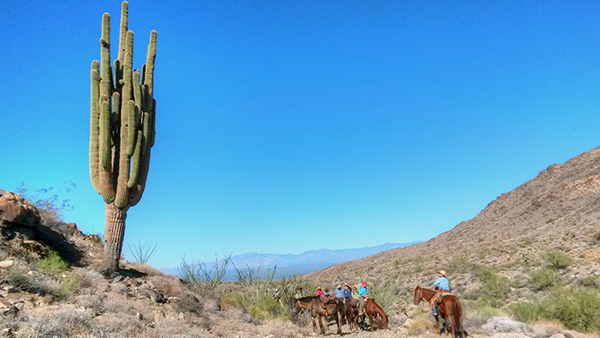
(297, 264)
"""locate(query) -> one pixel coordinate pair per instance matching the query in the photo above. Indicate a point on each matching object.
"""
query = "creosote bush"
(495, 288)
(544, 279)
(53, 264)
(577, 308)
(558, 260)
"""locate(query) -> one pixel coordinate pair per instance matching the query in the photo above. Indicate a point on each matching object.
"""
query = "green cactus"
(122, 110)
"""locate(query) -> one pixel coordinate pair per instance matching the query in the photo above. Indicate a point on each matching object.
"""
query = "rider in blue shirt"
(441, 284)
(338, 291)
(363, 295)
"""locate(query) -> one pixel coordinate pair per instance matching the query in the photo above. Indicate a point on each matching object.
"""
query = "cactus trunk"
(114, 233)
(121, 130)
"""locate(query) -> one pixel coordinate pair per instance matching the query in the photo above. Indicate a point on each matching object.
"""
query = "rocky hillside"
(557, 211)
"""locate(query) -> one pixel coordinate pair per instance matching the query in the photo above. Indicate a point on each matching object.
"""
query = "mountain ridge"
(302, 263)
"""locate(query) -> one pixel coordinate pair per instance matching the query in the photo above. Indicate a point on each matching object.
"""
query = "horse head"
(418, 295)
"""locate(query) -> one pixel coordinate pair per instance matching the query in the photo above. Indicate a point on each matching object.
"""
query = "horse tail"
(457, 313)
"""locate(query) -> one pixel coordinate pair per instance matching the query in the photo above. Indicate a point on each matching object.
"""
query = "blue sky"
(287, 126)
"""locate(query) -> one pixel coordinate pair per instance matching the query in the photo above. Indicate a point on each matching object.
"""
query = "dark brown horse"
(352, 314)
(449, 309)
(334, 308)
(373, 310)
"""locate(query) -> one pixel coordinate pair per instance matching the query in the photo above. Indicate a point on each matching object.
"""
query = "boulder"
(15, 209)
(503, 325)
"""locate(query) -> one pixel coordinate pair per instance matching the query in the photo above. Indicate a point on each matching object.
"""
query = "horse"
(373, 310)
(334, 308)
(352, 314)
(449, 308)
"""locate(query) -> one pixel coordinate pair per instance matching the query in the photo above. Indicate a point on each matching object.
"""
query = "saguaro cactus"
(121, 131)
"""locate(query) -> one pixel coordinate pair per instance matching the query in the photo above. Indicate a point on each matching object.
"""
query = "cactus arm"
(150, 58)
(135, 161)
(123, 174)
(145, 132)
(94, 124)
(105, 72)
(123, 30)
(114, 118)
(131, 127)
(136, 192)
(153, 123)
(126, 96)
(118, 70)
(105, 135)
(137, 89)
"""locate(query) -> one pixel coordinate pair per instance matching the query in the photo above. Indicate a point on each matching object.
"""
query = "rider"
(339, 293)
(363, 295)
(441, 284)
(322, 297)
(319, 292)
(347, 294)
(354, 292)
(298, 294)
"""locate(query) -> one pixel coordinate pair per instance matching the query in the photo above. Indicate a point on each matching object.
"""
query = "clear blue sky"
(286, 126)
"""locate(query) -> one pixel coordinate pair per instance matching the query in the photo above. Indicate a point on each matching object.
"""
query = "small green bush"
(496, 287)
(527, 312)
(596, 238)
(558, 260)
(53, 264)
(578, 308)
(69, 287)
(458, 264)
(18, 279)
(544, 279)
(592, 281)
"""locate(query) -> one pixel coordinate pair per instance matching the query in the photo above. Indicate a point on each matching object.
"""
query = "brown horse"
(334, 308)
(373, 310)
(449, 308)
(352, 314)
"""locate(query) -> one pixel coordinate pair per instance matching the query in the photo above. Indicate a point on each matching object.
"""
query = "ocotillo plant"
(121, 131)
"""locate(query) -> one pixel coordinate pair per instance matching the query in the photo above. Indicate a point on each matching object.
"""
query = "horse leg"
(451, 324)
(437, 321)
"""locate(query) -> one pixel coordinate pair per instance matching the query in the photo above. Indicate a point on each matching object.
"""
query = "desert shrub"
(69, 286)
(61, 322)
(143, 252)
(18, 279)
(260, 295)
(53, 264)
(558, 260)
(591, 281)
(495, 287)
(48, 201)
(458, 264)
(544, 279)
(578, 308)
(419, 326)
(527, 312)
(387, 296)
(201, 278)
(596, 238)
(483, 308)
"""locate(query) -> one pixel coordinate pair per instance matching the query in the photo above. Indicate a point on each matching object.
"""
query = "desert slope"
(559, 209)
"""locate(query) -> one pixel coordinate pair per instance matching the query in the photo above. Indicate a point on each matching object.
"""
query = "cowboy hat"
(442, 272)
